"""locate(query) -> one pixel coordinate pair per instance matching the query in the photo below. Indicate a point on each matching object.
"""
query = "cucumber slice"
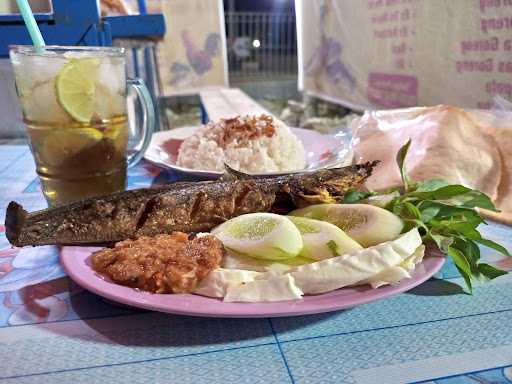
(366, 224)
(264, 236)
(323, 240)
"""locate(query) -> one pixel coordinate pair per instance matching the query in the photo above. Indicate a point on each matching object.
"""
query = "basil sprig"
(444, 214)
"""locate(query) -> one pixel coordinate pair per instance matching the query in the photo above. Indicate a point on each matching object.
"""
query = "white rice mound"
(250, 144)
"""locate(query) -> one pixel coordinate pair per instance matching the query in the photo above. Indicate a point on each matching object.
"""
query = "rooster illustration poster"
(193, 54)
(376, 54)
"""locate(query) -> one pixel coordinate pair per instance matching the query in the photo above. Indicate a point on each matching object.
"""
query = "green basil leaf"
(471, 252)
(446, 215)
(455, 227)
(430, 185)
(356, 196)
(407, 210)
(414, 223)
(442, 193)
(400, 160)
(429, 213)
(489, 271)
(478, 199)
(462, 265)
(466, 228)
(442, 242)
(472, 234)
(493, 245)
(456, 195)
(459, 213)
(471, 199)
(413, 210)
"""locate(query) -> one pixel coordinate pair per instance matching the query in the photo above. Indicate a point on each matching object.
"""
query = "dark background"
(260, 5)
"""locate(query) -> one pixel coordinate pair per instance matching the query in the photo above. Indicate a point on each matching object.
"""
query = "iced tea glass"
(74, 108)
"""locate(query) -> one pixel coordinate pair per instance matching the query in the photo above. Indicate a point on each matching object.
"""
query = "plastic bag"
(339, 156)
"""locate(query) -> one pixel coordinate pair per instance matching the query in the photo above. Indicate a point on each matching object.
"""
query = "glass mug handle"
(148, 119)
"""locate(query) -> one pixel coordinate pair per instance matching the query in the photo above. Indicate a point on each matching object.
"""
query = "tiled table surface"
(54, 331)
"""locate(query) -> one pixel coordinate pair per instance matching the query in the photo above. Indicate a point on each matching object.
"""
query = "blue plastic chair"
(78, 22)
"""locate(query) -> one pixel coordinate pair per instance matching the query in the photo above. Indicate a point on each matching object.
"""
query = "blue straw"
(30, 23)
(142, 7)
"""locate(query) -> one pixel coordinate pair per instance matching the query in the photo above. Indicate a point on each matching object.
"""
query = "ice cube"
(32, 70)
(111, 74)
(110, 99)
(40, 105)
(107, 105)
(76, 54)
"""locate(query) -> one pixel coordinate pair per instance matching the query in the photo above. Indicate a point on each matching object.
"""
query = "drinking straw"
(30, 23)
(142, 7)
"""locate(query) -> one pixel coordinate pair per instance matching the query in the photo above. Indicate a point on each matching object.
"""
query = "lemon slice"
(118, 134)
(261, 235)
(75, 88)
(60, 145)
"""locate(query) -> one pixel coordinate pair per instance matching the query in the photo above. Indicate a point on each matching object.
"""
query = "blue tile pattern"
(332, 359)
(502, 375)
(256, 365)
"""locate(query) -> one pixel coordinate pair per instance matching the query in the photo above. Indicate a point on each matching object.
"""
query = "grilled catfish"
(186, 207)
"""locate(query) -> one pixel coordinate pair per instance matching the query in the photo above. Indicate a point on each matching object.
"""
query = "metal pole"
(231, 11)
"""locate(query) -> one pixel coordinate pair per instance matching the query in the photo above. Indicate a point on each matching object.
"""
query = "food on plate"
(446, 215)
(270, 257)
(273, 288)
(386, 263)
(216, 282)
(186, 207)
(233, 260)
(366, 224)
(161, 264)
(323, 240)
(429, 211)
(249, 144)
(394, 258)
(264, 236)
(447, 143)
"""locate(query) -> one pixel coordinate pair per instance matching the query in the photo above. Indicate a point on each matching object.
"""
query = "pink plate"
(76, 263)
